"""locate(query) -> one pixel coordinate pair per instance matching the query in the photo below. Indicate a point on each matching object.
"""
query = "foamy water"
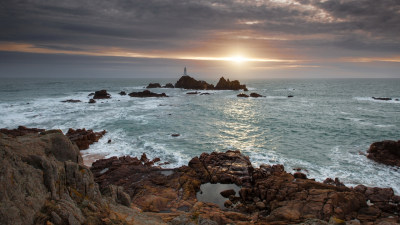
(322, 129)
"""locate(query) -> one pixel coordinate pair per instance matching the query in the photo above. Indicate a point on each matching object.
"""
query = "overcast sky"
(234, 38)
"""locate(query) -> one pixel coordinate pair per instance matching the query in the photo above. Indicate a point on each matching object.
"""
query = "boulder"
(146, 93)
(83, 138)
(386, 152)
(154, 85)
(122, 93)
(229, 85)
(91, 101)
(102, 94)
(228, 193)
(187, 82)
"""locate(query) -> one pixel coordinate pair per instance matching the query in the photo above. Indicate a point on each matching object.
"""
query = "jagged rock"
(300, 175)
(146, 93)
(122, 93)
(91, 101)
(71, 101)
(188, 82)
(154, 85)
(229, 85)
(168, 85)
(242, 95)
(102, 94)
(386, 152)
(20, 131)
(83, 138)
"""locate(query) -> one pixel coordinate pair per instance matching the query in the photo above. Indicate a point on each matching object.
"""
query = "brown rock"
(228, 193)
(242, 95)
(102, 94)
(386, 152)
(146, 93)
(83, 138)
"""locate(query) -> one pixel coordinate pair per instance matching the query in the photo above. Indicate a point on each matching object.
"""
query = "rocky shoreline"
(45, 182)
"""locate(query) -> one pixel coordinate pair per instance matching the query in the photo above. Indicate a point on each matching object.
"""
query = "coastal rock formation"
(188, 82)
(83, 138)
(255, 95)
(386, 152)
(168, 85)
(268, 194)
(20, 131)
(146, 93)
(102, 94)
(45, 182)
(153, 85)
(122, 93)
(229, 85)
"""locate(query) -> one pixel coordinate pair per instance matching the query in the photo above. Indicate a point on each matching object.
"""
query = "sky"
(233, 38)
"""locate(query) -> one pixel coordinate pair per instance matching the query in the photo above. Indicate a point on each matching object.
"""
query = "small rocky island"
(44, 181)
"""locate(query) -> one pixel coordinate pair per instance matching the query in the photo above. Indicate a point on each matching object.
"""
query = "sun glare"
(237, 59)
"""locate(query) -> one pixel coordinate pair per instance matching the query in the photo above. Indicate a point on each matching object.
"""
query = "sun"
(237, 59)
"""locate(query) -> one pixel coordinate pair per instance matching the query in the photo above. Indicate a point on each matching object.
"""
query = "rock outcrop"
(187, 82)
(229, 85)
(83, 138)
(43, 181)
(102, 94)
(154, 85)
(386, 152)
(146, 93)
(268, 194)
(168, 85)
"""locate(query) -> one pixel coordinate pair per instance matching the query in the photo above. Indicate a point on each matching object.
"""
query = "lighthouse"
(184, 72)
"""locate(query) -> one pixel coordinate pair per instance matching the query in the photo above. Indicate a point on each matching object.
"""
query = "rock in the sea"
(386, 152)
(188, 82)
(175, 135)
(91, 101)
(71, 101)
(83, 138)
(146, 93)
(290, 96)
(193, 93)
(228, 193)
(255, 95)
(102, 94)
(242, 95)
(153, 85)
(168, 85)
(229, 85)
(382, 98)
(122, 93)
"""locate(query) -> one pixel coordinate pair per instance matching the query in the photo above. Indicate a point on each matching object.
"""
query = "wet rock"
(109, 141)
(242, 95)
(91, 94)
(91, 101)
(192, 93)
(83, 138)
(386, 152)
(187, 82)
(300, 175)
(146, 93)
(154, 85)
(205, 93)
(255, 95)
(102, 94)
(228, 193)
(290, 96)
(168, 85)
(20, 131)
(382, 98)
(71, 101)
(122, 93)
(175, 135)
(229, 85)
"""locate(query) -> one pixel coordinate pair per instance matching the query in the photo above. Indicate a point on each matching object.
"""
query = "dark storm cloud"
(170, 23)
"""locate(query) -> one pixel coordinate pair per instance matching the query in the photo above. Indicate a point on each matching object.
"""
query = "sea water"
(325, 129)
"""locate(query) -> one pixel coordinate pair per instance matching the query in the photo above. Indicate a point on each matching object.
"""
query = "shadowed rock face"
(43, 181)
(102, 94)
(386, 152)
(153, 85)
(229, 85)
(188, 82)
(268, 194)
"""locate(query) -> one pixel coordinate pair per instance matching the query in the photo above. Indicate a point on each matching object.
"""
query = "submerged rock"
(382, 98)
(102, 94)
(83, 138)
(146, 93)
(71, 101)
(386, 152)
(242, 95)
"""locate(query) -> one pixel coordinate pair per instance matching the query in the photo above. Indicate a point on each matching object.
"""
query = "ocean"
(325, 129)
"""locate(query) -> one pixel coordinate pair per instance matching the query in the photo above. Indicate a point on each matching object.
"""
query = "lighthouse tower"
(184, 72)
